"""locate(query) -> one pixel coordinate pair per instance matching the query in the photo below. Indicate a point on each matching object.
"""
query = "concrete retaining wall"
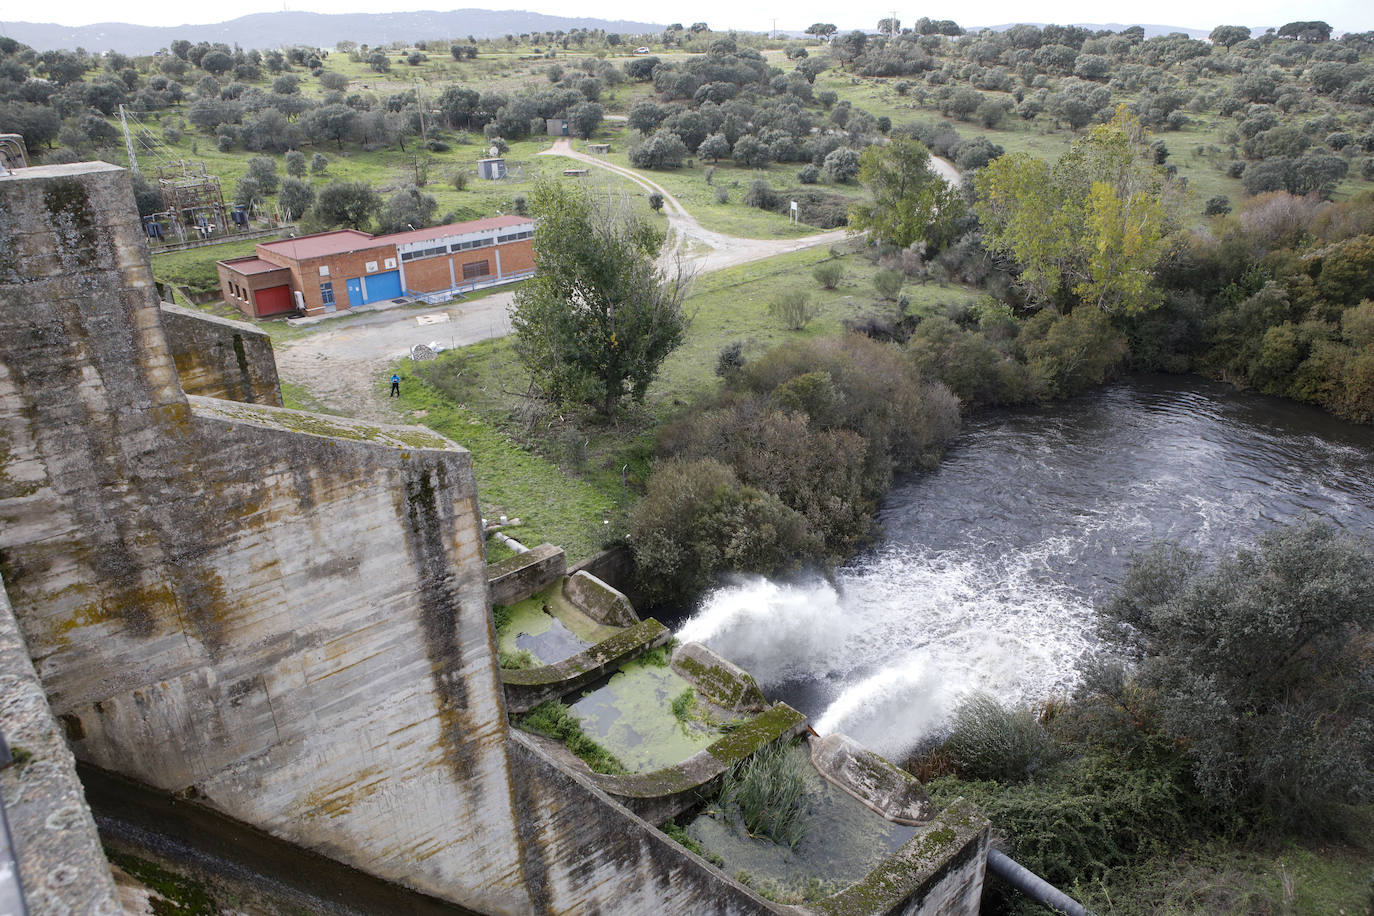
(668, 792)
(61, 865)
(599, 858)
(615, 566)
(220, 358)
(516, 578)
(938, 872)
(599, 601)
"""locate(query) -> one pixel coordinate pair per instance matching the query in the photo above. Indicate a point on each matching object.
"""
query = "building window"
(324, 270)
(327, 293)
(476, 269)
(371, 267)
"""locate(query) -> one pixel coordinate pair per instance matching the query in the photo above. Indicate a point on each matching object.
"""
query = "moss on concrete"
(766, 727)
(314, 424)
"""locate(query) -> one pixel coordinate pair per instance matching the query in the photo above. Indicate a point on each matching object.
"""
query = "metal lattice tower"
(192, 195)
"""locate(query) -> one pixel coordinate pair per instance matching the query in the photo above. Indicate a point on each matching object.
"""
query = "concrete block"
(599, 601)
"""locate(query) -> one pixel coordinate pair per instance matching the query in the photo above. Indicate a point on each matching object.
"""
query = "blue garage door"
(382, 286)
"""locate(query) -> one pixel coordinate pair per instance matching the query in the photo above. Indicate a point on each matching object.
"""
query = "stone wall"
(220, 358)
(61, 866)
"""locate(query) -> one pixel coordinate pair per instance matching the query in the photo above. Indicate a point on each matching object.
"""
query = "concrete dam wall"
(279, 615)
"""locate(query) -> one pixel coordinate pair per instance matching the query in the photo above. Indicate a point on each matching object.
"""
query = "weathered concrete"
(938, 872)
(526, 688)
(221, 358)
(668, 792)
(893, 793)
(516, 578)
(615, 566)
(721, 682)
(61, 865)
(599, 601)
(283, 615)
(598, 857)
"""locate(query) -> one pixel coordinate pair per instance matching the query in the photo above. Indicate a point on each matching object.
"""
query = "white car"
(641, 50)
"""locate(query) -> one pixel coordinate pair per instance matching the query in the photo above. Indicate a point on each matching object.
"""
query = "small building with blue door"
(344, 269)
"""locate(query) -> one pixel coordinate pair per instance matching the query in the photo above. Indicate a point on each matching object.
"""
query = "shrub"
(761, 195)
(696, 522)
(730, 361)
(766, 794)
(1262, 667)
(992, 741)
(793, 308)
(888, 283)
(1071, 353)
(828, 274)
(809, 174)
(656, 201)
(972, 367)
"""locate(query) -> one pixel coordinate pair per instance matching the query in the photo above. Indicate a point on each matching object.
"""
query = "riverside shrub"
(696, 522)
(1262, 667)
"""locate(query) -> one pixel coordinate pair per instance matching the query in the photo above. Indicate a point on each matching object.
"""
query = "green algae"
(632, 715)
(548, 627)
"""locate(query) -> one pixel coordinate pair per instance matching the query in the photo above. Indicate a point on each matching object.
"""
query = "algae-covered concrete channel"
(685, 737)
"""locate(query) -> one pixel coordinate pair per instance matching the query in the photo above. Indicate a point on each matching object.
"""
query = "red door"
(273, 300)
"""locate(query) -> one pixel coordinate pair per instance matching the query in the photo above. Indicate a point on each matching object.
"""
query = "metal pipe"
(1034, 886)
(510, 542)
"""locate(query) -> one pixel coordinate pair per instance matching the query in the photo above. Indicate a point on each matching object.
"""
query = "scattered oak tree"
(600, 316)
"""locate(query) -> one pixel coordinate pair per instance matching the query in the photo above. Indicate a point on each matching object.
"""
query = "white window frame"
(324, 270)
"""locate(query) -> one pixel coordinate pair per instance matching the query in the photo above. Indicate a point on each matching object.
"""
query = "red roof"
(251, 265)
(438, 232)
(321, 244)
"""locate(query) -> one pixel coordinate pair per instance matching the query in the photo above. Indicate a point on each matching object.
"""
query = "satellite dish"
(494, 152)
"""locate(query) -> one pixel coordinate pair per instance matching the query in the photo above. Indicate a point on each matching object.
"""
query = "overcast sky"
(1343, 15)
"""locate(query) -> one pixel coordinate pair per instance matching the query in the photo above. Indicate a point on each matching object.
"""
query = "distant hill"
(319, 30)
(1150, 30)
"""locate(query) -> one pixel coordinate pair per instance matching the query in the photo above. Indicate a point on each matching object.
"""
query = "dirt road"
(700, 249)
(342, 365)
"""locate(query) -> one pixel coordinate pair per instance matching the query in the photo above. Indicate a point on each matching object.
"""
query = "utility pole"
(128, 142)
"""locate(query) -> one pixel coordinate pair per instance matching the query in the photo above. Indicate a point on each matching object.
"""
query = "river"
(988, 568)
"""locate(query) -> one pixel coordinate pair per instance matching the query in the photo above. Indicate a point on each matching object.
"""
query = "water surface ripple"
(988, 568)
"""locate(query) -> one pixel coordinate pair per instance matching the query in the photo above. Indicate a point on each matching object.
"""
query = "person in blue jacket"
(395, 386)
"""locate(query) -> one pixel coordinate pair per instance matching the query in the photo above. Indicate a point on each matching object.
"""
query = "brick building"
(339, 270)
